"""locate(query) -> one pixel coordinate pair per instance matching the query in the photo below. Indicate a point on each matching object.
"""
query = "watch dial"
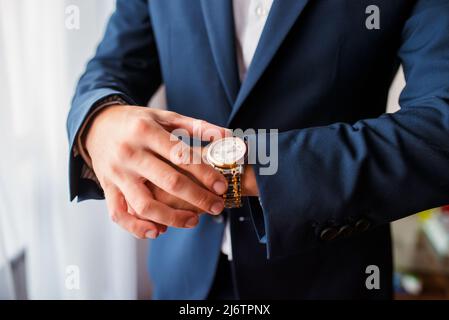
(228, 150)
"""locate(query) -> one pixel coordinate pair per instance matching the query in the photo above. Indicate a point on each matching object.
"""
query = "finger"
(180, 154)
(161, 228)
(117, 208)
(146, 207)
(171, 200)
(163, 175)
(196, 128)
(205, 174)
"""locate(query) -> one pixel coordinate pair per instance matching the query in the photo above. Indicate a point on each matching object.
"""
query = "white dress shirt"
(250, 17)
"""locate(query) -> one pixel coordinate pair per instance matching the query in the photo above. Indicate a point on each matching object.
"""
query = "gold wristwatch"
(228, 155)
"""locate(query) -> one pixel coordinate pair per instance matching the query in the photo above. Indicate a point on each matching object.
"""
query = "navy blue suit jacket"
(346, 169)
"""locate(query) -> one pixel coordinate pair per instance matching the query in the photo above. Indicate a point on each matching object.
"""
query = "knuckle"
(210, 176)
(171, 116)
(115, 169)
(140, 127)
(114, 216)
(203, 201)
(124, 151)
(174, 182)
(171, 220)
(181, 155)
(205, 127)
(177, 221)
(143, 207)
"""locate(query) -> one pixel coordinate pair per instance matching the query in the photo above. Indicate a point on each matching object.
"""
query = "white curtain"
(6, 279)
(73, 251)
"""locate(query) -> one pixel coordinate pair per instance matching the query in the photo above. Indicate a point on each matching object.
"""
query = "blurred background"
(53, 249)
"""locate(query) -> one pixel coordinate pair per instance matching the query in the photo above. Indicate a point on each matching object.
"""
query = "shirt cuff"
(79, 148)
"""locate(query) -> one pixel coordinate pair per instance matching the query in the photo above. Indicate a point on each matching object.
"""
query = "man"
(319, 72)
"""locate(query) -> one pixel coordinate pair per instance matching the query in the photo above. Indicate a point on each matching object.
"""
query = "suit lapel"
(218, 17)
(282, 16)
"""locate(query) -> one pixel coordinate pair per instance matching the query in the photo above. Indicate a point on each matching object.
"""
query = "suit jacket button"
(345, 231)
(329, 234)
(362, 225)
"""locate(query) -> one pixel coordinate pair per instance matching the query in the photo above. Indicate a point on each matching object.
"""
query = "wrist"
(85, 137)
(80, 145)
(249, 182)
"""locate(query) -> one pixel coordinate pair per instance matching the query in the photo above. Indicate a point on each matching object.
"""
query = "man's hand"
(132, 155)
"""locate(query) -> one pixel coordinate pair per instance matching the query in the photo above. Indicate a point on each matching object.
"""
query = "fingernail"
(191, 222)
(151, 234)
(217, 207)
(219, 187)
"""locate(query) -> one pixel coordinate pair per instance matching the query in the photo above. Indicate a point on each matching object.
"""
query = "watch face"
(227, 151)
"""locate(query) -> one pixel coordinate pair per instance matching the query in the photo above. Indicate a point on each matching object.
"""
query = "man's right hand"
(131, 149)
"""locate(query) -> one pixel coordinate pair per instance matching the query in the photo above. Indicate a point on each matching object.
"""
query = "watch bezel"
(214, 162)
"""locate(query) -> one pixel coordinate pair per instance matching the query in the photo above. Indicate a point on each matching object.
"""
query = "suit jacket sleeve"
(374, 171)
(126, 64)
